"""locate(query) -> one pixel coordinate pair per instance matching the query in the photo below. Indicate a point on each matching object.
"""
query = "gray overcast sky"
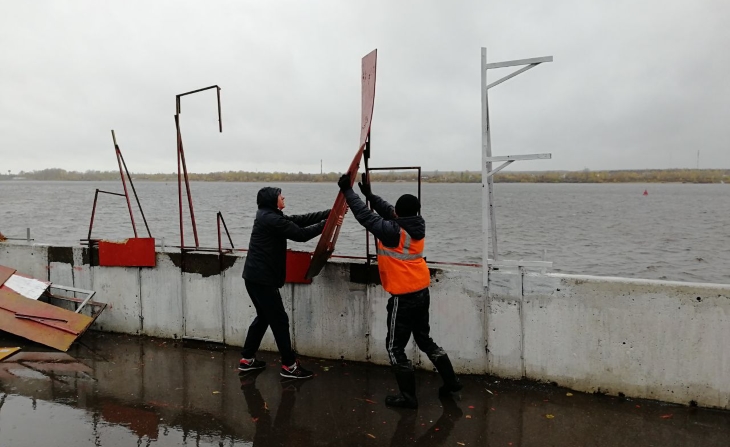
(634, 85)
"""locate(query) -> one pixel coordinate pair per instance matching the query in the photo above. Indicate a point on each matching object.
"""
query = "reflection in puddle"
(117, 390)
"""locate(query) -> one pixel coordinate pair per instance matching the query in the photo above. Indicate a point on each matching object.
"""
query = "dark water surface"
(676, 232)
(114, 390)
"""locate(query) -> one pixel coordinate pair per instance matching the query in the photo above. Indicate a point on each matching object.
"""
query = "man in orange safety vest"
(401, 233)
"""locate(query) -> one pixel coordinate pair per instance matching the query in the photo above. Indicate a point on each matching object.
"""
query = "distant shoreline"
(624, 176)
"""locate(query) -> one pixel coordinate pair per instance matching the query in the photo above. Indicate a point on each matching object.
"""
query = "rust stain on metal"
(5, 274)
(41, 322)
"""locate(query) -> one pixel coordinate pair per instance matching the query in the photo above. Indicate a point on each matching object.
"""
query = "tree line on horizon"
(585, 176)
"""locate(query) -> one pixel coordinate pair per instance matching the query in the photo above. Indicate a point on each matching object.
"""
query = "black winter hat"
(407, 206)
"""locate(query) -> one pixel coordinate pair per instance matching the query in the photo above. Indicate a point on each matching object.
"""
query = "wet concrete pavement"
(116, 390)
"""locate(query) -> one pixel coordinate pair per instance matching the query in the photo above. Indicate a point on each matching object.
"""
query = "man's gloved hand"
(344, 182)
(365, 189)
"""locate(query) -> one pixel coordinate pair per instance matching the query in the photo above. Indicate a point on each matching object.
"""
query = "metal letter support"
(489, 221)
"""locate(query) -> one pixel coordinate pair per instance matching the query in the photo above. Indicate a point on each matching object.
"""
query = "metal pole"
(27, 234)
(486, 167)
(220, 117)
(134, 191)
(181, 160)
(218, 219)
(225, 227)
(366, 181)
(124, 183)
(419, 187)
(93, 212)
(490, 179)
(179, 184)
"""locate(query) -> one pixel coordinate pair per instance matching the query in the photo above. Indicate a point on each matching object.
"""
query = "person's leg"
(279, 321)
(273, 308)
(421, 326)
(260, 324)
(399, 329)
(422, 337)
(399, 332)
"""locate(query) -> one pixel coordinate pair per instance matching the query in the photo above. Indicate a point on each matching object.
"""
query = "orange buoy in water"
(646, 193)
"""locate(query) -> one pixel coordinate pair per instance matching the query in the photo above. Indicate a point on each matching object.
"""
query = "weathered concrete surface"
(504, 325)
(160, 299)
(30, 260)
(641, 338)
(119, 287)
(330, 317)
(653, 339)
(119, 390)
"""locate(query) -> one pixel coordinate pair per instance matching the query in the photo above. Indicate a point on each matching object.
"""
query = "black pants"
(408, 314)
(269, 312)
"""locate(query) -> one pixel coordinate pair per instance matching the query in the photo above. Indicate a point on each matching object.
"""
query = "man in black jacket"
(401, 234)
(264, 273)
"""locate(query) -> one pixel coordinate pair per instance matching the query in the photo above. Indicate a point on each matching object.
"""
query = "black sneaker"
(295, 371)
(251, 365)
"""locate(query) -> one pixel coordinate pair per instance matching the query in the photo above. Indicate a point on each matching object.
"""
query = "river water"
(675, 232)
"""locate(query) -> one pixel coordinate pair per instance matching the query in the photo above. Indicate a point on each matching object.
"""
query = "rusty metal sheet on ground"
(326, 244)
(41, 322)
(5, 274)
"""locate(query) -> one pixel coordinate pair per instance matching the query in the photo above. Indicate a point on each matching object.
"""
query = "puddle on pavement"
(116, 390)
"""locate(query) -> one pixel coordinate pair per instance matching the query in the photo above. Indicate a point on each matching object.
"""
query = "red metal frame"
(122, 170)
(181, 164)
(219, 218)
(93, 208)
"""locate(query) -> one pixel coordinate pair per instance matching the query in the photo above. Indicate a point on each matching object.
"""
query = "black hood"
(415, 226)
(268, 197)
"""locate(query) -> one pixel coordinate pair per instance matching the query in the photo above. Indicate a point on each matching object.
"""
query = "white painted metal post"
(486, 167)
(489, 219)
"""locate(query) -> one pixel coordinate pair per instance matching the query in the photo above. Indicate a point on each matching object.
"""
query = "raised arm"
(305, 220)
(387, 231)
(381, 206)
(290, 230)
(385, 209)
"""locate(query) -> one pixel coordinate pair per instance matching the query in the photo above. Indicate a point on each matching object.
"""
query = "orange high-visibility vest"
(403, 269)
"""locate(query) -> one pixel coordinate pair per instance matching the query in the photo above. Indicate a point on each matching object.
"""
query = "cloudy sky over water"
(634, 84)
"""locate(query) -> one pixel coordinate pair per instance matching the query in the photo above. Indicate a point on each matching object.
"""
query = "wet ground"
(112, 390)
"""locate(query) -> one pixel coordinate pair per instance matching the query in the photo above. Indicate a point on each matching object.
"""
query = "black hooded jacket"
(266, 258)
(385, 226)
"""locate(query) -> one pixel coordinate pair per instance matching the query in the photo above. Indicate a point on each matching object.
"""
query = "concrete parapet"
(641, 338)
(653, 339)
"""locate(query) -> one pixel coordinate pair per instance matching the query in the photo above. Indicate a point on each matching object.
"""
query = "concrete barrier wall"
(640, 338)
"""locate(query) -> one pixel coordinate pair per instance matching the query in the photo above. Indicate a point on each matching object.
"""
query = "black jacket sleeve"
(387, 231)
(290, 230)
(305, 220)
(382, 207)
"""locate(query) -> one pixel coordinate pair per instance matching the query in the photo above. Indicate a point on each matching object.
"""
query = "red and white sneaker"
(251, 364)
(295, 371)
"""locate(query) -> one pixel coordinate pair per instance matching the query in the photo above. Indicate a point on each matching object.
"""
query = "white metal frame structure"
(489, 221)
(89, 294)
